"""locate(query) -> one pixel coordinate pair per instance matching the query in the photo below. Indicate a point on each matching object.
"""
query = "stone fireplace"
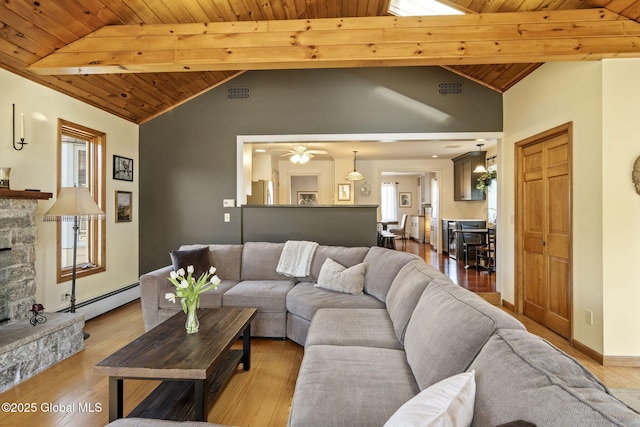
(25, 349)
(18, 237)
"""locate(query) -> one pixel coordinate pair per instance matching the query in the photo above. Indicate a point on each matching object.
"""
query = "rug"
(630, 396)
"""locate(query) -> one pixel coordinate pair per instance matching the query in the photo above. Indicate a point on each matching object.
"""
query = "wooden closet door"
(544, 229)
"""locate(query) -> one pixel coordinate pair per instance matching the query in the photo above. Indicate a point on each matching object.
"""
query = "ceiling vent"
(450, 88)
(238, 93)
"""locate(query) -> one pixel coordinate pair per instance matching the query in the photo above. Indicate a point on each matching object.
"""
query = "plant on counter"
(485, 180)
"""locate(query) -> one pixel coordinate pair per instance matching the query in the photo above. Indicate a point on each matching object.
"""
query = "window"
(492, 197)
(81, 154)
(389, 201)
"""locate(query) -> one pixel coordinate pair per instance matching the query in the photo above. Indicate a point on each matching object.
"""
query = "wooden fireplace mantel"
(6, 193)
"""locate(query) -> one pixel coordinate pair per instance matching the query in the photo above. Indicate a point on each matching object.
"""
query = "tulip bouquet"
(188, 289)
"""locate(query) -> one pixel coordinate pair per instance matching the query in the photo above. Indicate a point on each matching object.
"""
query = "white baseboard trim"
(100, 305)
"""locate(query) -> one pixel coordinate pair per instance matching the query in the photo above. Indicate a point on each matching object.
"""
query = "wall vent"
(450, 88)
(238, 93)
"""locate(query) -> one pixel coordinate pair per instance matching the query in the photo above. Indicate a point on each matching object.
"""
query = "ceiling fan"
(300, 154)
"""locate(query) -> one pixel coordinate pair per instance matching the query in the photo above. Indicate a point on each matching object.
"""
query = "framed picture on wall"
(124, 206)
(122, 168)
(344, 192)
(307, 197)
(405, 200)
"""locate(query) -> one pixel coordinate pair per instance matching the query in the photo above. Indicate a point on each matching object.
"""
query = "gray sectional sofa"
(367, 355)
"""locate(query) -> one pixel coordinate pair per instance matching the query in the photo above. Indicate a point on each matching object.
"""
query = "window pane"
(389, 201)
(82, 164)
(73, 173)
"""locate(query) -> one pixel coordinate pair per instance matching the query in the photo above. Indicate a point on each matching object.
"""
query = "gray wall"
(327, 225)
(188, 155)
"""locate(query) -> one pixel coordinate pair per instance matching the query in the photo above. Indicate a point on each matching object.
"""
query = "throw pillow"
(336, 277)
(446, 403)
(199, 258)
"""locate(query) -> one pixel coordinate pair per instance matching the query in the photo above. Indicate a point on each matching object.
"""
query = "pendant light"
(480, 168)
(355, 175)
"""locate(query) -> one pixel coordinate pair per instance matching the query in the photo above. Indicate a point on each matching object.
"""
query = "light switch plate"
(227, 217)
(228, 203)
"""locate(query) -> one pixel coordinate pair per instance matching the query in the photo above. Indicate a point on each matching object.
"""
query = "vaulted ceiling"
(130, 67)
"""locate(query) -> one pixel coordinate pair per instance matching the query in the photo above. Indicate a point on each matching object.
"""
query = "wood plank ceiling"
(32, 30)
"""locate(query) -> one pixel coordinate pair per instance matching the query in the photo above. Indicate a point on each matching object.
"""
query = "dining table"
(385, 224)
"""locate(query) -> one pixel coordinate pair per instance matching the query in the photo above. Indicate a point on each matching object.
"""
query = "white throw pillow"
(336, 277)
(447, 403)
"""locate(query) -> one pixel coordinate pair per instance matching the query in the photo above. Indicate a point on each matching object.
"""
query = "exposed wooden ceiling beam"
(488, 38)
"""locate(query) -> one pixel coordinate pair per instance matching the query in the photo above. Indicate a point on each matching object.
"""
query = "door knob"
(543, 243)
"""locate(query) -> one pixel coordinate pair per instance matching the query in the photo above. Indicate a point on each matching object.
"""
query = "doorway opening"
(304, 190)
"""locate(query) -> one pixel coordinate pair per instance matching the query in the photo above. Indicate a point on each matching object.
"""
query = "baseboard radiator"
(104, 303)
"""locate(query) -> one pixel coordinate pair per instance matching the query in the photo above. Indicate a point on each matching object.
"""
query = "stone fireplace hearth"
(26, 350)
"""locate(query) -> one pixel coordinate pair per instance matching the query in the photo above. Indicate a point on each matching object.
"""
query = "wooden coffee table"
(194, 368)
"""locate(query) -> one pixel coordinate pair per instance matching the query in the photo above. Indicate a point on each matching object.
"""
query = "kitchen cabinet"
(417, 228)
(464, 177)
(424, 189)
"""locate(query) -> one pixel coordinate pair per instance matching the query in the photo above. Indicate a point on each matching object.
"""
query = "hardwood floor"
(472, 279)
(259, 397)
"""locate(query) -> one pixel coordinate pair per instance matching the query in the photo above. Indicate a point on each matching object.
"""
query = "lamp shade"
(72, 202)
(354, 176)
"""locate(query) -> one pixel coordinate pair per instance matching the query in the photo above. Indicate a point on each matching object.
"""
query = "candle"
(21, 125)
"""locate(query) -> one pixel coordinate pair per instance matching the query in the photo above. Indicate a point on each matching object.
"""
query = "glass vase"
(192, 324)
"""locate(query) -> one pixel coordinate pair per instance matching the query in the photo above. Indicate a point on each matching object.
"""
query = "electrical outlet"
(64, 296)
(588, 317)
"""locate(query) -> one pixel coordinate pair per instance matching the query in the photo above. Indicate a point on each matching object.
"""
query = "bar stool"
(470, 241)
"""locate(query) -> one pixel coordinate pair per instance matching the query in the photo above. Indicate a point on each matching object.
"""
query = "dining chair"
(470, 242)
(401, 231)
(487, 252)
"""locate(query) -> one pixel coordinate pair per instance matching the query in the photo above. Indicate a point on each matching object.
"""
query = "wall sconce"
(21, 142)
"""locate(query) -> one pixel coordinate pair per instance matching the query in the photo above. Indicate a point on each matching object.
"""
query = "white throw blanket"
(295, 260)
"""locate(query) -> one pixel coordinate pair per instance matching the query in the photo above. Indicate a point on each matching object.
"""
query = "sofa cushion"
(336, 277)
(446, 403)
(519, 376)
(199, 258)
(345, 385)
(382, 267)
(305, 299)
(447, 330)
(405, 293)
(225, 258)
(265, 295)
(260, 260)
(365, 327)
(343, 255)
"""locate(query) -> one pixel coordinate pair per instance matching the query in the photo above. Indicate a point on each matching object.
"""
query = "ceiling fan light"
(304, 158)
(295, 158)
